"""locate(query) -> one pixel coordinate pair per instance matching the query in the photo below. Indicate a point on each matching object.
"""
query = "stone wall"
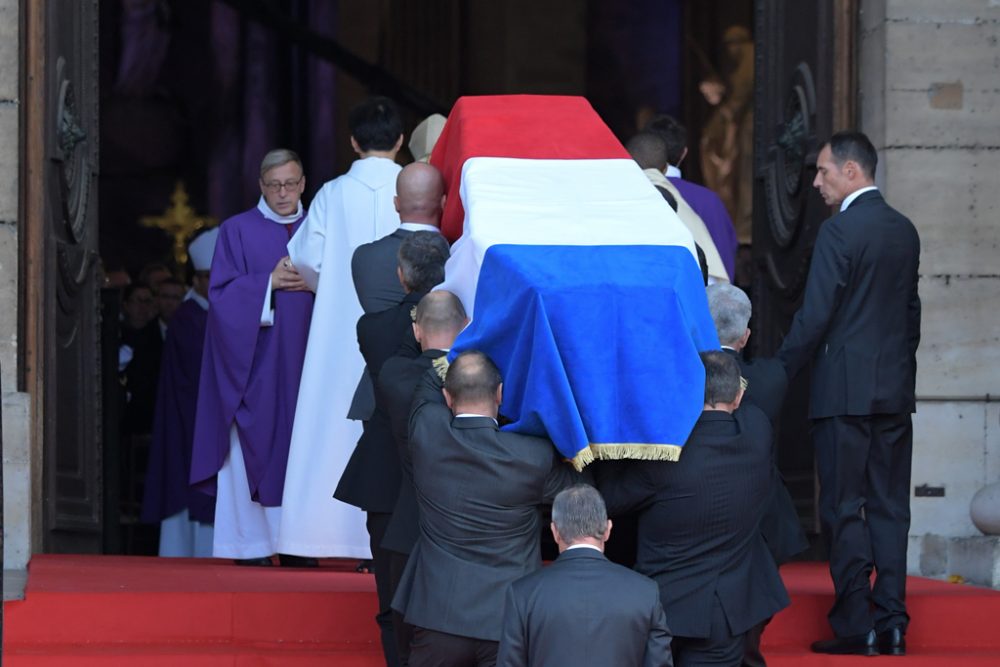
(929, 74)
(15, 405)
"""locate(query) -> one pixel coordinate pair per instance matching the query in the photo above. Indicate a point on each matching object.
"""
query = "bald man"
(419, 201)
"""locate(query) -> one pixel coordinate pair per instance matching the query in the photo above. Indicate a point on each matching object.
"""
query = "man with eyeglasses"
(351, 210)
(255, 344)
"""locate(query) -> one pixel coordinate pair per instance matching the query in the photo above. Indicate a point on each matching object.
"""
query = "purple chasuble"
(715, 216)
(167, 490)
(250, 373)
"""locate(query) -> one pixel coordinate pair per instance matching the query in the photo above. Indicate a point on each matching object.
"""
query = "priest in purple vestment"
(705, 203)
(254, 348)
(184, 513)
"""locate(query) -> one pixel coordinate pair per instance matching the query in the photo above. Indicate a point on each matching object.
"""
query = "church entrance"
(191, 94)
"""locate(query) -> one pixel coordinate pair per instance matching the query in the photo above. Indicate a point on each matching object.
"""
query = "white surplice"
(348, 211)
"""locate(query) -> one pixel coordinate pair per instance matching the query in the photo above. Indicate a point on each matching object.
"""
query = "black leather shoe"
(892, 642)
(285, 560)
(263, 561)
(866, 644)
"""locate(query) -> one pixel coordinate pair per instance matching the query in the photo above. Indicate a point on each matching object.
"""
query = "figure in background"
(350, 210)
(859, 325)
(184, 513)
(255, 344)
(727, 138)
(649, 150)
(168, 298)
(704, 202)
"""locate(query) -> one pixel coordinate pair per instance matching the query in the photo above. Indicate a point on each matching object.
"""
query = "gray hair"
(278, 157)
(579, 512)
(731, 310)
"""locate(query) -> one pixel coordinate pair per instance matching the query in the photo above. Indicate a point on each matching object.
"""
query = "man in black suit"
(419, 201)
(479, 491)
(440, 317)
(583, 609)
(372, 476)
(699, 523)
(859, 325)
(766, 383)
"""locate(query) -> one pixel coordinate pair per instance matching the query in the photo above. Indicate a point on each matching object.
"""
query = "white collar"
(672, 172)
(418, 227)
(197, 298)
(849, 199)
(268, 213)
(469, 414)
(727, 347)
(583, 546)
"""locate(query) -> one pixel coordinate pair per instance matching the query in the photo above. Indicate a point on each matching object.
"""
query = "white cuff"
(267, 312)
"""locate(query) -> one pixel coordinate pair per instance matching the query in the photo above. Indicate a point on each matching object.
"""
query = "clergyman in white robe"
(348, 211)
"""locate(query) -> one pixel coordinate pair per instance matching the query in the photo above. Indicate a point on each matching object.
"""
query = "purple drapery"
(266, 91)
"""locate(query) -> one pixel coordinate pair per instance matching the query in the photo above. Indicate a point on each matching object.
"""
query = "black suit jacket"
(397, 382)
(142, 375)
(373, 267)
(479, 490)
(699, 522)
(860, 318)
(372, 475)
(584, 610)
(780, 525)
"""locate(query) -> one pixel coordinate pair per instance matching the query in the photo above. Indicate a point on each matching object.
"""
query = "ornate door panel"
(797, 45)
(69, 344)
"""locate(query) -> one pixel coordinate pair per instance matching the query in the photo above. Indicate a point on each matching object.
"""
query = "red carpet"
(110, 611)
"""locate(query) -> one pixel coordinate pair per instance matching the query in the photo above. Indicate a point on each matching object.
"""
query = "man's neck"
(719, 407)
(587, 544)
(474, 411)
(388, 155)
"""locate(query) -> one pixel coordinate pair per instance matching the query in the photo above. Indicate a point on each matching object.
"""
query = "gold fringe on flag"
(625, 450)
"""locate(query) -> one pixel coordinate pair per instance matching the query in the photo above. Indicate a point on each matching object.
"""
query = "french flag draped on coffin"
(581, 282)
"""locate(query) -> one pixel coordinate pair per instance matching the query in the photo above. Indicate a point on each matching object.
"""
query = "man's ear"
(399, 275)
(555, 531)
(444, 198)
(500, 393)
(395, 202)
(607, 532)
(399, 143)
(355, 146)
(745, 338)
(416, 332)
(684, 154)
(447, 397)
(738, 399)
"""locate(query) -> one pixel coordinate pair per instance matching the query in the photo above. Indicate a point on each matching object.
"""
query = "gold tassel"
(618, 451)
(440, 366)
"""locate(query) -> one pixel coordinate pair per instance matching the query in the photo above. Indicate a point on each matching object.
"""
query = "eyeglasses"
(276, 186)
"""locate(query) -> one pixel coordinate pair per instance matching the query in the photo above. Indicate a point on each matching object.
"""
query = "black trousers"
(431, 648)
(752, 656)
(376, 523)
(864, 501)
(721, 647)
(402, 629)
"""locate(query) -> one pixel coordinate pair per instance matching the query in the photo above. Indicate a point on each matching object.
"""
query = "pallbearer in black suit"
(440, 318)
(419, 201)
(583, 609)
(372, 476)
(766, 384)
(859, 325)
(699, 523)
(479, 491)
